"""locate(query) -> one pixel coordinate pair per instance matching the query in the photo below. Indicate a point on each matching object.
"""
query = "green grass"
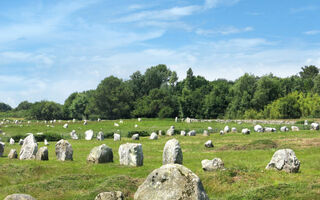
(245, 157)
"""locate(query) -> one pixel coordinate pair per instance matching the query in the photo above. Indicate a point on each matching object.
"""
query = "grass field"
(245, 157)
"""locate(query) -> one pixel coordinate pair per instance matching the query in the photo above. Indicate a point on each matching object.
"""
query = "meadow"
(244, 156)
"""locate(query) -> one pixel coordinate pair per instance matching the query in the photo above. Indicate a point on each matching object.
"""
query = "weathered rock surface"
(21, 142)
(65, 126)
(100, 136)
(212, 165)
(13, 154)
(19, 197)
(206, 133)
(88, 134)
(116, 137)
(170, 131)
(42, 154)
(258, 128)
(245, 131)
(314, 126)
(183, 133)
(135, 137)
(46, 142)
(270, 130)
(226, 129)
(295, 128)
(172, 153)
(208, 144)
(29, 148)
(117, 195)
(286, 160)
(192, 133)
(100, 154)
(171, 182)
(64, 150)
(153, 136)
(74, 135)
(131, 154)
(11, 141)
(233, 130)
(284, 129)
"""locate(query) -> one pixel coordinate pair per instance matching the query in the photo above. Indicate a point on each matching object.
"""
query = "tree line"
(158, 94)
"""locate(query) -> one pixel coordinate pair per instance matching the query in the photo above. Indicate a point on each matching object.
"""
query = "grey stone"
(258, 128)
(233, 130)
(170, 131)
(100, 136)
(284, 129)
(212, 165)
(2, 145)
(153, 136)
(226, 129)
(11, 141)
(172, 153)
(270, 130)
(245, 131)
(286, 160)
(116, 137)
(42, 154)
(74, 135)
(19, 197)
(171, 182)
(295, 128)
(29, 148)
(100, 154)
(65, 126)
(314, 126)
(192, 133)
(64, 150)
(208, 144)
(131, 154)
(135, 137)
(116, 195)
(88, 134)
(221, 132)
(183, 133)
(21, 142)
(13, 154)
(46, 142)
(206, 133)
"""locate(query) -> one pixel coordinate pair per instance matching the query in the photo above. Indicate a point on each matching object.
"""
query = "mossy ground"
(245, 157)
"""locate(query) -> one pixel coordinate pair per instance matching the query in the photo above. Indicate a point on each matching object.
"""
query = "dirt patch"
(254, 145)
(301, 142)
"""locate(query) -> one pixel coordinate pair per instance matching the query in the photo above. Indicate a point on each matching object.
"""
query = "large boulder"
(135, 137)
(245, 131)
(172, 153)
(286, 160)
(208, 144)
(88, 134)
(64, 150)
(100, 136)
(117, 195)
(131, 154)
(116, 137)
(13, 154)
(212, 165)
(42, 154)
(170, 131)
(314, 126)
(295, 128)
(2, 145)
(19, 197)
(258, 128)
(153, 136)
(29, 148)
(171, 182)
(100, 154)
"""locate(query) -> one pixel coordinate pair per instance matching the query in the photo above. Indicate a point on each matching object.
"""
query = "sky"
(49, 49)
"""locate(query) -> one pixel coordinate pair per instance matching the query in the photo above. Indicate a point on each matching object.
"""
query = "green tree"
(5, 107)
(309, 72)
(24, 105)
(46, 110)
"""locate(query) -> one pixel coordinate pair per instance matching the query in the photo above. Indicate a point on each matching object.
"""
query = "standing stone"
(233, 130)
(74, 135)
(183, 133)
(117, 195)
(286, 160)
(306, 122)
(131, 154)
(46, 142)
(135, 137)
(13, 154)
(116, 137)
(188, 120)
(160, 132)
(208, 144)
(116, 124)
(270, 130)
(210, 129)
(226, 129)
(88, 134)
(11, 141)
(211, 165)
(176, 119)
(171, 182)
(21, 142)
(172, 153)
(245, 131)
(284, 129)
(139, 119)
(221, 132)
(65, 126)
(29, 148)
(85, 122)
(136, 125)
(258, 128)
(153, 136)
(100, 154)
(73, 120)
(206, 133)
(19, 197)
(42, 154)
(192, 133)
(170, 131)
(295, 128)
(100, 136)
(64, 150)
(99, 120)
(2, 145)
(314, 126)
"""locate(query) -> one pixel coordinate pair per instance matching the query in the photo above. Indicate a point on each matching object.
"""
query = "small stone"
(135, 137)
(116, 137)
(295, 128)
(208, 144)
(226, 129)
(211, 165)
(284, 129)
(46, 142)
(42, 154)
(245, 131)
(206, 133)
(88, 134)
(170, 131)
(19, 197)
(100, 136)
(13, 154)
(2, 145)
(192, 133)
(65, 126)
(314, 126)
(258, 128)
(117, 195)
(153, 136)
(233, 130)
(21, 142)
(11, 141)
(183, 133)
(74, 135)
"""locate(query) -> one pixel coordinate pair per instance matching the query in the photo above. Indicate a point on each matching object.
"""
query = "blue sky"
(49, 49)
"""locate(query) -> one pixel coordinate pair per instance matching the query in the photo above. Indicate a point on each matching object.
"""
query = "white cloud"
(214, 3)
(303, 9)
(312, 32)
(224, 31)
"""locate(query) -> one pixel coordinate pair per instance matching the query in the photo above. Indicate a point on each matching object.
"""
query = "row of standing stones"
(171, 181)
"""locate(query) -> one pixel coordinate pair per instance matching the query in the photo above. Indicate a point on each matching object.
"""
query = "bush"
(40, 138)
(141, 133)
(108, 135)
